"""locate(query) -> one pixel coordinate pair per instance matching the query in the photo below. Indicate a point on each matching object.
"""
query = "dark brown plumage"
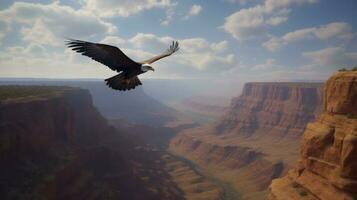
(116, 60)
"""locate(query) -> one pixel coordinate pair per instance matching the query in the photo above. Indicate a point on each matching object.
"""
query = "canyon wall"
(34, 124)
(56, 145)
(257, 139)
(276, 109)
(327, 169)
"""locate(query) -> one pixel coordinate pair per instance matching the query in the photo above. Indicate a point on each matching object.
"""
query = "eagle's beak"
(152, 69)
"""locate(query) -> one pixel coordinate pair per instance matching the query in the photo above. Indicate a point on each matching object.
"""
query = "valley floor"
(193, 183)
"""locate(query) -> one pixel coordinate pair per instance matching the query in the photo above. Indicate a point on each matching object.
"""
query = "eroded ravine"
(229, 193)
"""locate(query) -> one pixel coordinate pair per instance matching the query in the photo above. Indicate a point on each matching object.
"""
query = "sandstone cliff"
(55, 145)
(327, 169)
(278, 109)
(257, 139)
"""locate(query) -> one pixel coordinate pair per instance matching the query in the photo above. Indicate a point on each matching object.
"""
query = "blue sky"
(246, 40)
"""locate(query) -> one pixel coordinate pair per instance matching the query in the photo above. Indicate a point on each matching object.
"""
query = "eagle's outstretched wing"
(173, 48)
(108, 55)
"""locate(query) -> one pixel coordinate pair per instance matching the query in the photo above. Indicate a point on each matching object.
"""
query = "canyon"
(257, 139)
(60, 142)
(327, 167)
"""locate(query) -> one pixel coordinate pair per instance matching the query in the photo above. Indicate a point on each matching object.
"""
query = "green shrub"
(295, 185)
(21, 91)
(352, 116)
(342, 70)
(303, 193)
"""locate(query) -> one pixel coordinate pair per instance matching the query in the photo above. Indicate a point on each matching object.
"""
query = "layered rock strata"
(327, 169)
(278, 109)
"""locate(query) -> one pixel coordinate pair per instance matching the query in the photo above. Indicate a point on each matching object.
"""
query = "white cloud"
(194, 10)
(170, 12)
(113, 40)
(150, 42)
(331, 58)
(50, 23)
(240, 1)
(276, 20)
(193, 45)
(220, 46)
(254, 21)
(39, 34)
(333, 30)
(4, 29)
(207, 61)
(124, 8)
(249, 22)
(273, 5)
(269, 64)
(35, 61)
(337, 29)
(195, 53)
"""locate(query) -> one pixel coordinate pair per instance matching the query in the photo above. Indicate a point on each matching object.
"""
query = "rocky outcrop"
(35, 124)
(327, 169)
(56, 145)
(277, 109)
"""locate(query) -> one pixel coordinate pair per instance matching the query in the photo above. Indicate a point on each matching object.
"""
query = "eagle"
(116, 60)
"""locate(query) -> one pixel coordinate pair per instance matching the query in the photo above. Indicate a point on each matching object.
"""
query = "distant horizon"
(166, 79)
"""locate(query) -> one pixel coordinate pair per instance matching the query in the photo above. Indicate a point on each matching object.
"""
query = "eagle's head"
(146, 67)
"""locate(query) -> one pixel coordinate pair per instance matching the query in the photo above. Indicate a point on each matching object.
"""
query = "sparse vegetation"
(19, 91)
(296, 185)
(303, 193)
(344, 69)
(352, 116)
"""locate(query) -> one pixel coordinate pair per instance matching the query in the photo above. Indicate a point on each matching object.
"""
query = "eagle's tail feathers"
(120, 82)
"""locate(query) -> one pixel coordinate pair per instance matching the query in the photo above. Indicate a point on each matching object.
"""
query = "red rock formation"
(327, 169)
(278, 109)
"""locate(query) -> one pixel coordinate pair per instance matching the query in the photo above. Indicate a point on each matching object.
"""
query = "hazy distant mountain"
(166, 90)
(172, 91)
(134, 106)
